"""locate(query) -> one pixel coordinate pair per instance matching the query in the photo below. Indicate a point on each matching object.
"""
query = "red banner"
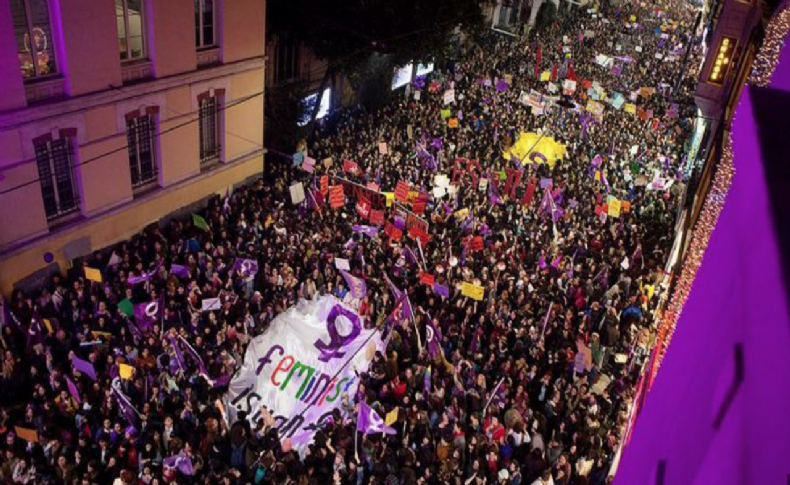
(427, 279)
(351, 167)
(402, 191)
(336, 196)
(377, 217)
(363, 208)
(392, 232)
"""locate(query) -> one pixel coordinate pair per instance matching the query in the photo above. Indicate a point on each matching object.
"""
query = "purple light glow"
(738, 297)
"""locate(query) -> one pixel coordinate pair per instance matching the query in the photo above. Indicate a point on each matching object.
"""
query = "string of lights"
(768, 57)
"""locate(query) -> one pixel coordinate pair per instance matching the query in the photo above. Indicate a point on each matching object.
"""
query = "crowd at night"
(531, 384)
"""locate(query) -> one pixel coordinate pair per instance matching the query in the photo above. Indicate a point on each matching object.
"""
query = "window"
(142, 159)
(209, 128)
(204, 23)
(56, 174)
(308, 105)
(286, 60)
(129, 18)
(33, 38)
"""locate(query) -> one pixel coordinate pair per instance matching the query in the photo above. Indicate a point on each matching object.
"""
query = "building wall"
(94, 104)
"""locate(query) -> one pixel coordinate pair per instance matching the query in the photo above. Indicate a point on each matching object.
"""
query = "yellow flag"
(630, 108)
(125, 371)
(545, 76)
(269, 221)
(535, 148)
(632, 18)
(614, 208)
(461, 214)
(473, 291)
(597, 175)
(93, 274)
(390, 197)
(48, 324)
(391, 417)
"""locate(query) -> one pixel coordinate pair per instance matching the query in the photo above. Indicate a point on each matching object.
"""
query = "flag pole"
(356, 450)
(546, 320)
(422, 256)
(491, 397)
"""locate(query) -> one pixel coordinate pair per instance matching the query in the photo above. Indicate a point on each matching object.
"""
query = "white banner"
(301, 367)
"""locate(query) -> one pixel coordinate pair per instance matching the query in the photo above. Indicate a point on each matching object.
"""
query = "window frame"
(200, 44)
(134, 132)
(34, 52)
(50, 145)
(144, 54)
(209, 156)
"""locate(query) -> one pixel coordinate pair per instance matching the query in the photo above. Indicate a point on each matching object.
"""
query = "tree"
(346, 33)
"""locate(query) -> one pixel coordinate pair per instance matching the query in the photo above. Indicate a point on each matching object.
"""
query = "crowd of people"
(505, 401)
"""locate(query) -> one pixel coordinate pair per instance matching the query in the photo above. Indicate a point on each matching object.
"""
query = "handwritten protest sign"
(473, 291)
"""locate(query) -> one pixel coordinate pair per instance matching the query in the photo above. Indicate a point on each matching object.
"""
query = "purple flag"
(432, 338)
(246, 268)
(556, 213)
(84, 367)
(147, 314)
(400, 295)
(356, 285)
(411, 258)
(180, 271)
(493, 196)
(180, 462)
(501, 85)
(73, 390)
(546, 182)
(596, 162)
(124, 403)
(542, 262)
(369, 422)
(177, 355)
(437, 142)
(133, 280)
(441, 290)
(370, 231)
(556, 262)
(467, 224)
(399, 222)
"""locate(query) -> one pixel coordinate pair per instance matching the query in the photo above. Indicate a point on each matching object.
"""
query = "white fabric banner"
(301, 367)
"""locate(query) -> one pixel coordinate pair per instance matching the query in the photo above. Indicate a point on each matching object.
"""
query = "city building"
(116, 113)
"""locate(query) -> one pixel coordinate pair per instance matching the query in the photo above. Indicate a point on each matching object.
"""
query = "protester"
(121, 380)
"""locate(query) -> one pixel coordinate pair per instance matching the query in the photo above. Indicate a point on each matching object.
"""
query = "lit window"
(33, 38)
(56, 175)
(722, 60)
(140, 136)
(204, 23)
(129, 19)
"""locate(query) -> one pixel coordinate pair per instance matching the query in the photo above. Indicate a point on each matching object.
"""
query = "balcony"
(208, 57)
(37, 90)
(135, 70)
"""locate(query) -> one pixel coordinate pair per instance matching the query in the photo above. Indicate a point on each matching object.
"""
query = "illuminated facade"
(112, 119)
